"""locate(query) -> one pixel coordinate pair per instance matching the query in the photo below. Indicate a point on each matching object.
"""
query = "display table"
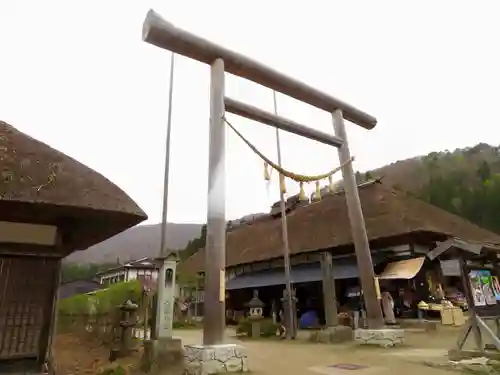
(448, 313)
(424, 308)
(452, 316)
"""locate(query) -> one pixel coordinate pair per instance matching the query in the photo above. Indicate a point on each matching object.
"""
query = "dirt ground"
(272, 357)
(76, 356)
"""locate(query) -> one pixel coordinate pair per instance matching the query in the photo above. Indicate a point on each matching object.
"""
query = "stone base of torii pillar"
(215, 359)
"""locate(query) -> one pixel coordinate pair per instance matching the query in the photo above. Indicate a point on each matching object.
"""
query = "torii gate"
(159, 32)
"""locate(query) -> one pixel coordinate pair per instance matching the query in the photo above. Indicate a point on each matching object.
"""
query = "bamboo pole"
(290, 332)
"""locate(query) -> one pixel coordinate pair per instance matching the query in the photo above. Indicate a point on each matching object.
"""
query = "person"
(403, 302)
(355, 303)
(388, 307)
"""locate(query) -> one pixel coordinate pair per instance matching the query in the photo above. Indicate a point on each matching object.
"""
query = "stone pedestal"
(385, 337)
(332, 335)
(162, 354)
(255, 329)
(215, 359)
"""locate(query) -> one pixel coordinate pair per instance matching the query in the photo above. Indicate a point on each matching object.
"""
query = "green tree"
(76, 271)
(484, 171)
(195, 244)
(473, 193)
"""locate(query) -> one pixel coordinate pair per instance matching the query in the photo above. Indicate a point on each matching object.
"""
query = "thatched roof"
(42, 185)
(325, 225)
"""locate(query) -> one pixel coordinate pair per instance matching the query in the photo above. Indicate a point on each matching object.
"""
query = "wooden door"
(27, 289)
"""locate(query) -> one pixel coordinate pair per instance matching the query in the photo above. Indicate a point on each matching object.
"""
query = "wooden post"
(496, 269)
(49, 329)
(197, 298)
(145, 317)
(273, 312)
(488, 332)
(358, 229)
(472, 308)
(290, 333)
(329, 295)
(215, 254)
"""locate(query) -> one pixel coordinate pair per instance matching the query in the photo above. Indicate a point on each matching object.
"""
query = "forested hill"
(465, 182)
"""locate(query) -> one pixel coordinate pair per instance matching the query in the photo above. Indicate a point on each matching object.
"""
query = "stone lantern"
(256, 310)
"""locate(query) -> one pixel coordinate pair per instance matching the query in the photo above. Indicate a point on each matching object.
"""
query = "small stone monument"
(255, 313)
(290, 322)
(165, 351)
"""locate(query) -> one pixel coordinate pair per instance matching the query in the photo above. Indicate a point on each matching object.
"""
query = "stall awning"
(402, 269)
(300, 274)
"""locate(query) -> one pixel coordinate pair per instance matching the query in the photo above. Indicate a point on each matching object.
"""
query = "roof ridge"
(388, 212)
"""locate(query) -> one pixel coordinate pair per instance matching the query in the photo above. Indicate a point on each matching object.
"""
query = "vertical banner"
(483, 288)
(377, 288)
(222, 284)
(496, 287)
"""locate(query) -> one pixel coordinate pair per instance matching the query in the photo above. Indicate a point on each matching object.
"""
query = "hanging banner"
(496, 287)
(402, 269)
(222, 285)
(450, 267)
(482, 287)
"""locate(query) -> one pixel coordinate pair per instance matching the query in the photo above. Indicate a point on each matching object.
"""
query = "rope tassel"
(282, 184)
(330, 184)
(302, 194)
(318, 191)
(294, 176)
(267, 175)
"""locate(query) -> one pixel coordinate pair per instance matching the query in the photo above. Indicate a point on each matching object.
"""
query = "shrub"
(114, 370)
(267, 327)
(101, 301)
(184, 325)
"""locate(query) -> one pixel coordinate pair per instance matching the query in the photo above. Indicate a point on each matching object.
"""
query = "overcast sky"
(76, 75)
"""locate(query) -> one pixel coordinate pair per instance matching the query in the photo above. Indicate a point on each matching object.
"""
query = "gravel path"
(300, 357)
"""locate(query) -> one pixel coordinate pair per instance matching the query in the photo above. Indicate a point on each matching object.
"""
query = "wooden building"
(50, 206)
(399, 227)
(141, 269)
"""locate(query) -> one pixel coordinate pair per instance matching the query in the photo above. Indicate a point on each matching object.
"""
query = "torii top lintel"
(163, 34)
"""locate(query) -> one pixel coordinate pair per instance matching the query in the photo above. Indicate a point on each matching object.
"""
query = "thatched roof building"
(390, 215)
(42, 185)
